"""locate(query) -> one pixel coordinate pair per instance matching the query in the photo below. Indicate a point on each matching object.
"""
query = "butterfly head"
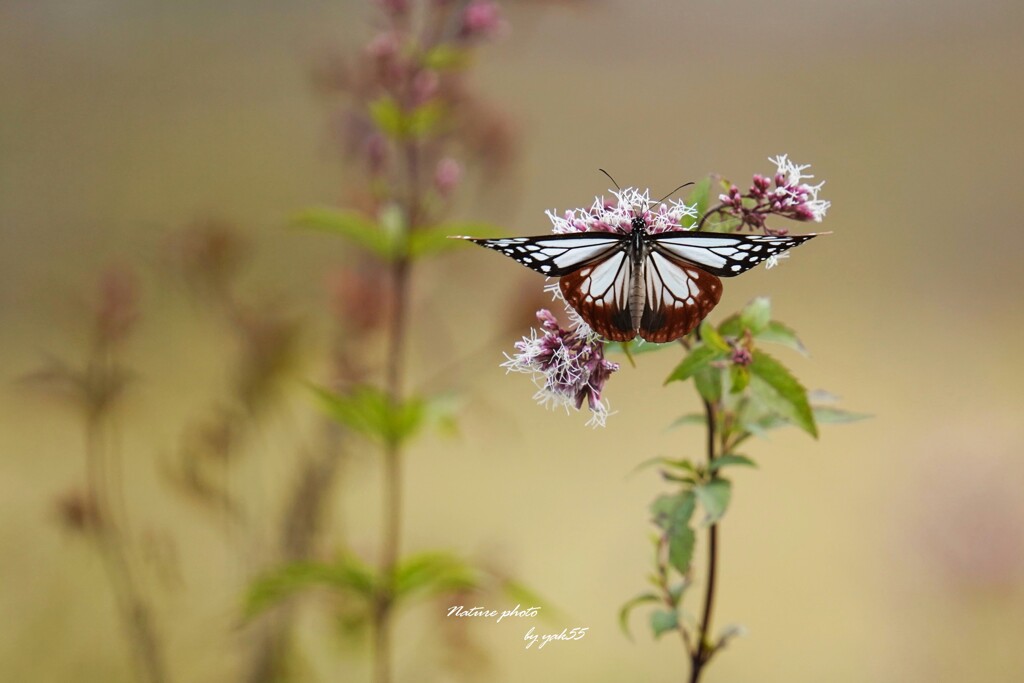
(639, 223)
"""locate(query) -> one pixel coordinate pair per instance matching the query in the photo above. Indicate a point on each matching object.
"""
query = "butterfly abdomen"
(637, 294)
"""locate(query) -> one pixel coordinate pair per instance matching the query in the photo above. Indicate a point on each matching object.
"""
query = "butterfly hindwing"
(723, 254)
(557, 255)
(678, 296)
(599, 292)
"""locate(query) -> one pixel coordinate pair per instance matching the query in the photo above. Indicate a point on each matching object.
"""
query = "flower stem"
(704, 651)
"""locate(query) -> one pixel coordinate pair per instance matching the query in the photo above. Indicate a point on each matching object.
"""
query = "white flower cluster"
(618, 216)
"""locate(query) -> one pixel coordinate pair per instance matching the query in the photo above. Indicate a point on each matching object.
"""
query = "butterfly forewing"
(678, 296)
(558, 255)
(723, 254)
(599, 292)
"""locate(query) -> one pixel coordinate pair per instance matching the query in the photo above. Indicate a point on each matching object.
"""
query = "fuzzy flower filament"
(567, 365)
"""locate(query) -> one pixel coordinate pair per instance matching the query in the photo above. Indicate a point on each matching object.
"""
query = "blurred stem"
(704, 650)
(135, 613)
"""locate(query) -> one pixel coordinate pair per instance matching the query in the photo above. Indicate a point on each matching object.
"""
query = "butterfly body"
(658, 285)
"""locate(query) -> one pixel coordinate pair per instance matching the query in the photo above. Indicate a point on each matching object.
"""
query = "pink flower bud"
(383, 47)
(394, 7)
(424, 85)
(481, 18)
(447, 176)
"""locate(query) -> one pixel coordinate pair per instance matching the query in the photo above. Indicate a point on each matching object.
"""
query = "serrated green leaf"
(710, 337)
(672, 513)
(714, 498)
(730, 460)
(696, 360)
(777, 333)
(756, 315)
(628, 608)
(663, 621)
(780, 391)
(699, 197)
(708, 381)
(354, 227)
(823, 415)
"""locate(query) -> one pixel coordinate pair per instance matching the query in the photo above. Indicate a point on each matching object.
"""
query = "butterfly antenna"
(611, 179)
(671, 193)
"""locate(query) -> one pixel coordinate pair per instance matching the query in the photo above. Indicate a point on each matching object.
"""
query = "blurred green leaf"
(756, 315)
(714, 498)
(708, 381)
(636, 347)
(389, 117)
(823, 415)
(348, 574)
(739, 378)
(695, 361)
(435, 573)
(698, 196)
(429, 241)
(356, 228)
(689, 419)
(370, 412)
(425, 119)
(672, 513)
(663, 621)
(445, 57)
(779, 390)
(627, 609)
(730, 460)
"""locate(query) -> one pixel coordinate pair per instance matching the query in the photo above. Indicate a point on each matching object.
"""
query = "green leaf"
(756, 315)
(398, 124)
(714, 498)
(689, 419)
(353, 226)
(389, 117)
(710, 336)
(699, 197)
(823, 415)
(739, 378)
(636, 347)
(435, 573)
(663, 621)
(779, 390)
(731, 326)
(445, 56)
(369, 411)
(348, 575)
(672, 513)
(695, 361)
(730, 460)
(708, 381)
(425, 119)
(777, 333)
(628, 608)
(429, 241)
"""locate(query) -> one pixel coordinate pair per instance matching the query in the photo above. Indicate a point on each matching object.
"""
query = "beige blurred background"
(889, 550)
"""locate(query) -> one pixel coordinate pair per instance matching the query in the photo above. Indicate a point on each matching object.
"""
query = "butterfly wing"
(599, 292)
(557, 255)
(679, 295)
(722, 254)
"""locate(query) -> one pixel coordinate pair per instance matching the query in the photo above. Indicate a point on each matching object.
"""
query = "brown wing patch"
(678, 296)
(600, 294)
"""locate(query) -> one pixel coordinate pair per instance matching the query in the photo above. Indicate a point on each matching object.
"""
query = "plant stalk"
(704, 651)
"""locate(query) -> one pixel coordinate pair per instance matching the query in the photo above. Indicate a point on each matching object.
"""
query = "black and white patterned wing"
(599, 292)
(678, 295)
(723, 254)
(557, 255)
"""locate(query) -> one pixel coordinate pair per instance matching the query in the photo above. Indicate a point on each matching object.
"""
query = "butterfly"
(655, 285)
